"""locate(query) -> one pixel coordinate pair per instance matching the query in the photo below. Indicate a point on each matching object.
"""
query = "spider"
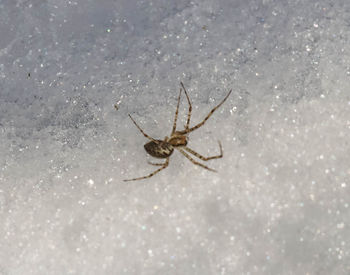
(163, 149)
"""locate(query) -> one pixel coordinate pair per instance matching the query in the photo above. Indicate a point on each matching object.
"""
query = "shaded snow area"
(280, 200)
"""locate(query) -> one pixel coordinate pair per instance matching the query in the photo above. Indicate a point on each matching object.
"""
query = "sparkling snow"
(280, 202)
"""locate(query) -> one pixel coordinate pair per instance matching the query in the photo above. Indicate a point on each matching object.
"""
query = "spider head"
(177, 140)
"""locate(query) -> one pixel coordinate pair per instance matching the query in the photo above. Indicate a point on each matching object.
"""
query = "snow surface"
(279, 203)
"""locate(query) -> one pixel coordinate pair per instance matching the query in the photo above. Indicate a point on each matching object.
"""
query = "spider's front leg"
(200, 124)
(189, 108)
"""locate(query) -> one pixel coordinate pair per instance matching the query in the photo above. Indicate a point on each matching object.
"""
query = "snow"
(279, 203)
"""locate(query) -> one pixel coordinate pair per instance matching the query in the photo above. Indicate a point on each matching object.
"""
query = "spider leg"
(165, 165)
(189, 107)
(176, 113)
(202, 157)
(195, 162)
(155, 164)
(138, 127)
(186, 131)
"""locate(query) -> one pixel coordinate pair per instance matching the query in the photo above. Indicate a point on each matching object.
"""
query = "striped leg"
(165, 165)
(189, 108)
(155, 164)
(202, 157)
(195, 162)
(186, 131)
(138, 127)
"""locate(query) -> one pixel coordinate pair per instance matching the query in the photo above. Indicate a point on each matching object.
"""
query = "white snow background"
(279, 203)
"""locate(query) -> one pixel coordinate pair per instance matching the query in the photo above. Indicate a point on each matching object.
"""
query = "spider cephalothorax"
(177, 140)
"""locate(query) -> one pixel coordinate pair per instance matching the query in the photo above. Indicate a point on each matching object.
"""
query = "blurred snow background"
(280, 201)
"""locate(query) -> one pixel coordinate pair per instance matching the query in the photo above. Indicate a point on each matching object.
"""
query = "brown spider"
(178, 140)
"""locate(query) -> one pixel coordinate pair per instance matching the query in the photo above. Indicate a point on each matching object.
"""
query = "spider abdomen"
(159, 150)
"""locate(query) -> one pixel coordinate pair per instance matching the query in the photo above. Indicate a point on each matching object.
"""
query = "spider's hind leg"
(165, 165)
(195, 162)
(138, 127)
(155, 164)
(202, 157)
